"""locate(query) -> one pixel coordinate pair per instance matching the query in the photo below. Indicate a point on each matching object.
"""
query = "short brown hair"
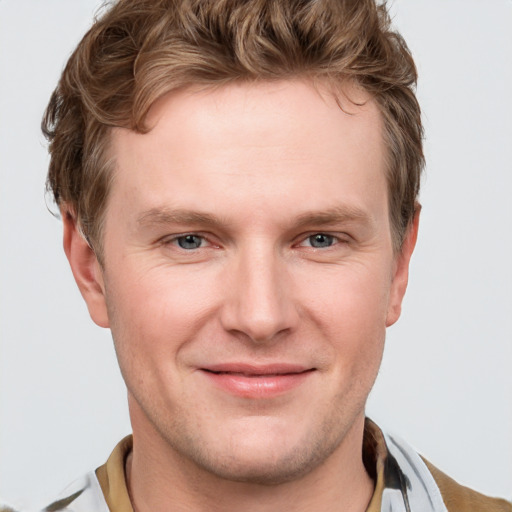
(138, 50)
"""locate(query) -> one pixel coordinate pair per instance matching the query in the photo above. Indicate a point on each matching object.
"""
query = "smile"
(249, 381)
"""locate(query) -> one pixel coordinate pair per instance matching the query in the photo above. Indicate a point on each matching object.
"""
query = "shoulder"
(424, 487)
(459, 498)
(83, 495)
(101, 490)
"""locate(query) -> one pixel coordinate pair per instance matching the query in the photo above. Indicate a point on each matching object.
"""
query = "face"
(249, 275)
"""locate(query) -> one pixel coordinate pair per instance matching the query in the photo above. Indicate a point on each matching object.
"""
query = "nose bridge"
(259, 302)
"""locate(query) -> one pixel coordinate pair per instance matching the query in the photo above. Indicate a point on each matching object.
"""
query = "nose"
(258, 297)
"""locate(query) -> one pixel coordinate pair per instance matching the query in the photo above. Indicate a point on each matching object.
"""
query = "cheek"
(155, 313)
(350, 309)
(352, 296)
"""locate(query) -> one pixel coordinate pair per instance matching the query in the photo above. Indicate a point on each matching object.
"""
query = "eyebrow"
(336, 215)
(159, 216)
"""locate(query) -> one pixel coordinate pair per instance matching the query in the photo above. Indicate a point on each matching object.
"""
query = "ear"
(401, 271)
(86, 269)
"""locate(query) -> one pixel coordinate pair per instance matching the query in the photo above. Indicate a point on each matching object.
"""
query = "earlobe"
(86, 269)
(401, 271)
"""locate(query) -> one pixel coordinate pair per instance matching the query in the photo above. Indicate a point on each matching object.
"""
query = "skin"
(253, 172)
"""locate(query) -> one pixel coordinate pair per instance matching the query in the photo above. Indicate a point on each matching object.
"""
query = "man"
(238, 183)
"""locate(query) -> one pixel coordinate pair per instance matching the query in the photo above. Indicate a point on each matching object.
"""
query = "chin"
(270, 456)
(268, 471)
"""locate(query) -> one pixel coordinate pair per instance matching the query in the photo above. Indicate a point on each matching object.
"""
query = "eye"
(190, 241)
(321, 240)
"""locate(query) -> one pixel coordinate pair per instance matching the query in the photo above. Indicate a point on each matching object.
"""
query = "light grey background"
(446, 381)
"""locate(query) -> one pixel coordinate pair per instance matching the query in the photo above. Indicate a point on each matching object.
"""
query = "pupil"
(321, 240)
(189, 242)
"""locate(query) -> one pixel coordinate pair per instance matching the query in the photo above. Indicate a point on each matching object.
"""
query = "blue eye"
(190, 241)
(320, 240)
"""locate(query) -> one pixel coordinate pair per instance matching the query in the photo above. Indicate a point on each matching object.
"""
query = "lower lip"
(258, 386)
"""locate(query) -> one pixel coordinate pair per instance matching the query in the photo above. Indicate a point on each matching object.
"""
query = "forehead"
(275, 113)
(263, 141)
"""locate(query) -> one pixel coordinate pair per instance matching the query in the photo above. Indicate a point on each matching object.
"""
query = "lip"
(257, 381)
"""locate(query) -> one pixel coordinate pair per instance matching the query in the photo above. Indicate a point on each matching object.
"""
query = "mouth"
(251, 381)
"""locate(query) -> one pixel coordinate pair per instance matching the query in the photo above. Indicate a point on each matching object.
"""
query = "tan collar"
(112, 479)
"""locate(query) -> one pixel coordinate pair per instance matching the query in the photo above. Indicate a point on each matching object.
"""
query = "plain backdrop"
(446, 381)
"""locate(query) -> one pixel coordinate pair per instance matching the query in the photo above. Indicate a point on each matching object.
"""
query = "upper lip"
(257, 369)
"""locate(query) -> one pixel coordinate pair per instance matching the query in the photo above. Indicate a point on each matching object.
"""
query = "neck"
(158, 477)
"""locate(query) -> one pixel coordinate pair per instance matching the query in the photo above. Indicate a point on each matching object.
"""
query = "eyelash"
(335, 239)
(174, 240)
